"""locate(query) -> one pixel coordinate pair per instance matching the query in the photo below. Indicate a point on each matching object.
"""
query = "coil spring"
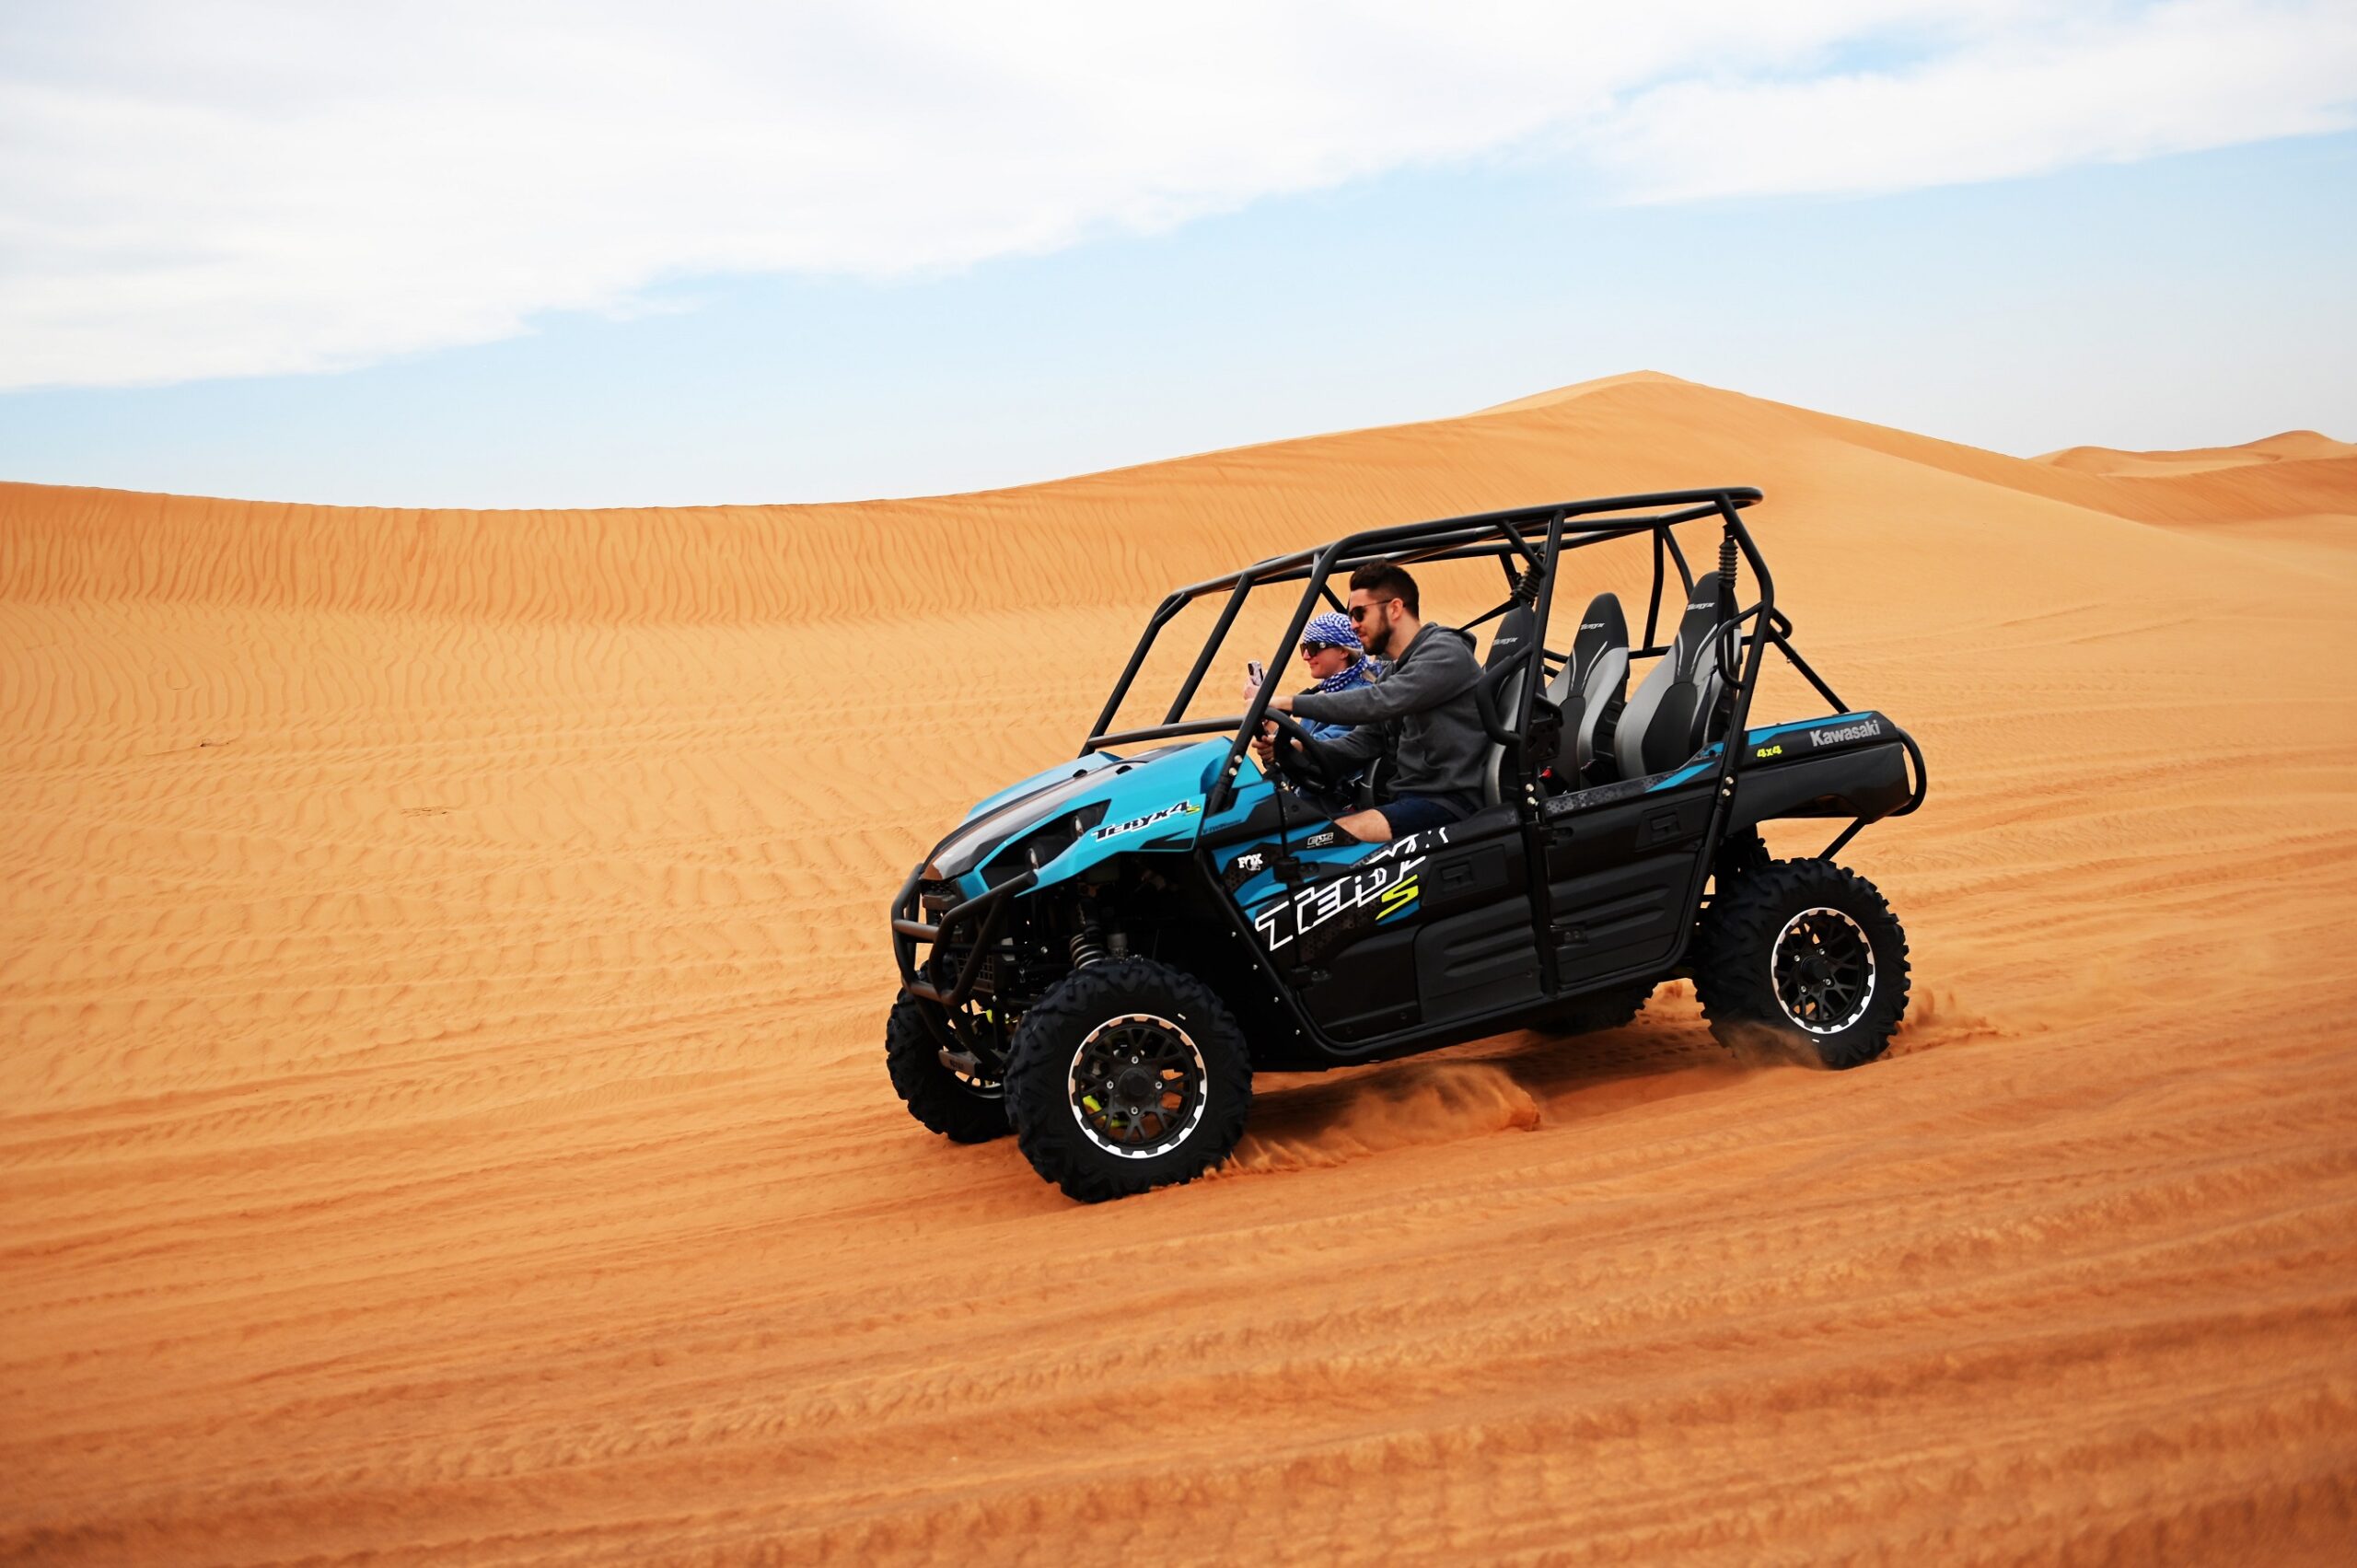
(1084, 950)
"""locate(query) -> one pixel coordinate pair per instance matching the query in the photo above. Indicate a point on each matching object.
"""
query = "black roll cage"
(1509, 536)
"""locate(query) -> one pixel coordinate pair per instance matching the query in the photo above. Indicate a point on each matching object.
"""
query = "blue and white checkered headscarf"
(1331, 627)
(1334, 629)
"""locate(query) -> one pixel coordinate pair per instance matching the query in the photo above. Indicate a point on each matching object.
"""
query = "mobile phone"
(1256, 672)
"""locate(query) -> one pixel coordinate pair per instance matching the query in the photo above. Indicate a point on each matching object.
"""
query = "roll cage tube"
(1506, 535)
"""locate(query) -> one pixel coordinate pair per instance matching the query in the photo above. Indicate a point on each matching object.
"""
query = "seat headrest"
(1602, 627)
(1602, 630)
(1697, 628)
(1512, 637)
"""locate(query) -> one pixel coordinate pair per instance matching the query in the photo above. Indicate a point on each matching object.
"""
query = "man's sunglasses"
(1358, 611)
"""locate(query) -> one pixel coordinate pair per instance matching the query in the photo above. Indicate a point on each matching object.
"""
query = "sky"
(614, 255)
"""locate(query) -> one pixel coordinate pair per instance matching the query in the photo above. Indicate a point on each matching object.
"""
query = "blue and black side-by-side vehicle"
(1099, 958)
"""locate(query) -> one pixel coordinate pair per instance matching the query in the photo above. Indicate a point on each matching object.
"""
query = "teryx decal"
(1148, 821)
(1386, 886)
(1414, 843)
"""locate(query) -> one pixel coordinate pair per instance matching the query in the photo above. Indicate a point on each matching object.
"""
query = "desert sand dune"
(2291, 445)
(443, 962)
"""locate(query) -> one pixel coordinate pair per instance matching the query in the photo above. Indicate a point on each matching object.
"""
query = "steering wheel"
(1297, 756)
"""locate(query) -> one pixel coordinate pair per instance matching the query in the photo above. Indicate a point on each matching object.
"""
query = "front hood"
(1131, 788)
(1062, 773)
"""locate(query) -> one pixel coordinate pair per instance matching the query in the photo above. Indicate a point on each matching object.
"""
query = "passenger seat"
(1676, 705)
(1590, 691)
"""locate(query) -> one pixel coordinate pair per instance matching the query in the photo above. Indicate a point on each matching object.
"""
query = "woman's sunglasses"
(1312, 649)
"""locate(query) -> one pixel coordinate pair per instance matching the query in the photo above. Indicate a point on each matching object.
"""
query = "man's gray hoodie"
(1425, 708)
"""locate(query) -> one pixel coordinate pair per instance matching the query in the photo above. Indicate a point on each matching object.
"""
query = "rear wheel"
(960, 1107)
(1127, 1075)
(1809, 950)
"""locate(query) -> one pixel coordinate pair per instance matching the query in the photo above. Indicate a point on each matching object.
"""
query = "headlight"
(1043, 843)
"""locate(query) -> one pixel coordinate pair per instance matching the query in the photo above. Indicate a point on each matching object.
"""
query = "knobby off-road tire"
(1128, 1074)
(962, 1111)
(1603, 1010)
(1808, 950)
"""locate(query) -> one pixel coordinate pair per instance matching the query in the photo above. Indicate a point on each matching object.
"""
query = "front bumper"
(922, 948)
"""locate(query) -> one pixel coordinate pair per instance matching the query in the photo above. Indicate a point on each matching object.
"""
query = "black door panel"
(1370, 987)
(1620, 875)
(1473, 962)
(1610, 920)
(1358, 941)
(1668, 823)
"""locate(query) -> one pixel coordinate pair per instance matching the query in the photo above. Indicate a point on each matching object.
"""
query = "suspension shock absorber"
(1086, 950)
(1729, 651)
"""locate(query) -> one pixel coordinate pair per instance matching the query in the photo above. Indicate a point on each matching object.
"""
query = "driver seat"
(1500, 693)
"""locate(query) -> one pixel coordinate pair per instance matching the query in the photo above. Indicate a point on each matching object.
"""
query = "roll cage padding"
(1593, 688)
(1676, 711)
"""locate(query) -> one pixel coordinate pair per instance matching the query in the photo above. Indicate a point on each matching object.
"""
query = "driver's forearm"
(1362, 745)
(1410, 688)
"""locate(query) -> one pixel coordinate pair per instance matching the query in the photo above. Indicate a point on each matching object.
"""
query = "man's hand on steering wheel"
(1294, 751)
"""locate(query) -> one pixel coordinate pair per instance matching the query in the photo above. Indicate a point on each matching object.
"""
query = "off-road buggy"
(1100, 957)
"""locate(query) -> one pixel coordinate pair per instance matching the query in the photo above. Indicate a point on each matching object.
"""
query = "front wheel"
(962, 1109)
(1128, 1074)
(1807, 949)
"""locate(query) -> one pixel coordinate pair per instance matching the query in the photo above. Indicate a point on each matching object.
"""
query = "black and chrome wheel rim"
(1137, 1085)
(1823, 968)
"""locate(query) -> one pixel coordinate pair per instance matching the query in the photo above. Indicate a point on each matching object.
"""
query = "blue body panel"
(1153, 802)
(1708, 758)
(1040, 780)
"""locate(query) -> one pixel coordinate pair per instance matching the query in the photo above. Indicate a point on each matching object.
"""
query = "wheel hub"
(1137, 1085)
(1822, 969)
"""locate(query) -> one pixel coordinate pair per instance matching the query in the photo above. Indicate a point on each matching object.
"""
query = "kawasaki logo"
(1840, 733)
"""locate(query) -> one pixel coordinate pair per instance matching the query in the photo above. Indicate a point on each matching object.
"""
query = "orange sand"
(443, 1116)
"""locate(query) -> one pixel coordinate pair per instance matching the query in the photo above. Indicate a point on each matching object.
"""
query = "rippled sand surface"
(443, 965)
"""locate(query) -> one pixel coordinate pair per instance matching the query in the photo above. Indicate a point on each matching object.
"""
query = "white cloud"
(2177, 77)
(190, 192)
